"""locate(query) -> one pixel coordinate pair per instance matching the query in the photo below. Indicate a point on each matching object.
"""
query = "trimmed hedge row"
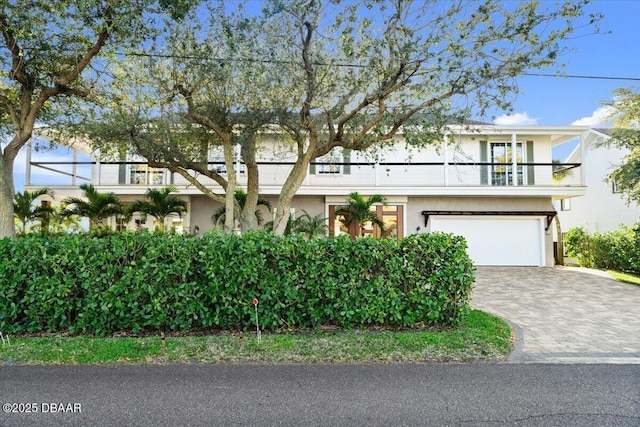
(136, 281)
(615, 250)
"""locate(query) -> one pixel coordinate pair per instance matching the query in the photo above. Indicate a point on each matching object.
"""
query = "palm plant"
(62, 223)
(159, 204)
(311, 226)
(240, 196)
(559, 172)
(24, 211)
(95, 206)
(289, 228)
(358, 211)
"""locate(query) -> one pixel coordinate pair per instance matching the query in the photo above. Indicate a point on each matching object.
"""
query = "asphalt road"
(340, 395)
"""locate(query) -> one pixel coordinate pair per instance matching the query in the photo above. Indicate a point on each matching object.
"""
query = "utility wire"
(348, 65)
(574, 76)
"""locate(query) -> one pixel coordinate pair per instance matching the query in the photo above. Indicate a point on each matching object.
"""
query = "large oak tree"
(328, 74)
(49, 51)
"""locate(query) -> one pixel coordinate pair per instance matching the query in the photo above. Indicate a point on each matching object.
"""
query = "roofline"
(574, 130)
(567, 132)
(577, 148)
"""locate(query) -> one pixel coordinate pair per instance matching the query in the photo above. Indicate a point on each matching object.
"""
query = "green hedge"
(616, 250)
(136, 281)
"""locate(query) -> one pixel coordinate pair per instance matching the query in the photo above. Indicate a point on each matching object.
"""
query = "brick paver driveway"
(563, 315)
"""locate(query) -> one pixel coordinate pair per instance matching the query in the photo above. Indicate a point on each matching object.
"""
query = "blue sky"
(567, 101)
(563, 101)
(543, 100)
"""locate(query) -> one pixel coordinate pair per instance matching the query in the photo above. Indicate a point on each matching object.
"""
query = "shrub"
(615, 250)
(99, 284)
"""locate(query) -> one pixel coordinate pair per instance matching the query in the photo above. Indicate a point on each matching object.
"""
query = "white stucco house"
(602, 208)
(491, 184)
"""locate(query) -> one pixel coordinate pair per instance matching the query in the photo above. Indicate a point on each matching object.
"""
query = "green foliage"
(240, 196)
(159, 204)
(559, 172)
(97, 206)
(24, 210)
(626, 135)
(309, 226)
(616, 250)
(100, 284)
(60, 222)
(358, 210)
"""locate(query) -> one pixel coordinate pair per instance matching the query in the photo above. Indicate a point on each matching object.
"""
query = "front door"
(391, 215)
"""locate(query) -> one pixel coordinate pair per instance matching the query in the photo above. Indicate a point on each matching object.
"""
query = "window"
(615, 187)
(501, 152)
(330, 163)
(142, 174)
(216, 156)
(565, 204)
(338, 161)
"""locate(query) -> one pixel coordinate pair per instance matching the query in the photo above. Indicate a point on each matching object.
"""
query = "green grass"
(482, 337)
(625, 277)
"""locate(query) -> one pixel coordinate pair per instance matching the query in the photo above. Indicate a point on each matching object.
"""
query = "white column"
(99, 170)
(74, 168)
(582, 159)
(514, 160)
(375, 171)
(445, 143)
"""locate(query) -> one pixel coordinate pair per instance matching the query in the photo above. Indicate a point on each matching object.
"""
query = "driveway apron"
(563, 315)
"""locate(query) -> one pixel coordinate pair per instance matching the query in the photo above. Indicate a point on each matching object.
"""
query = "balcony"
(389, 178)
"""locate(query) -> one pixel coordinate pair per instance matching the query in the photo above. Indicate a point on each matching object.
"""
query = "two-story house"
(492, 184)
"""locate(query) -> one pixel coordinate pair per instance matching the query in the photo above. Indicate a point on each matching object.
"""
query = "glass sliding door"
(501, 152)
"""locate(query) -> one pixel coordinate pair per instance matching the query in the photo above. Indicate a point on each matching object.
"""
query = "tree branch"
(72, 75)
(18, 71)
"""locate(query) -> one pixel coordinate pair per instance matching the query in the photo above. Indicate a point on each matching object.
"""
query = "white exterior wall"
(461, 149)
(600, 209)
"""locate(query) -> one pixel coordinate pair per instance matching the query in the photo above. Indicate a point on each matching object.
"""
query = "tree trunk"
(7, 228)
(46, 217)
(248, 220)
(289, 190)
(230, 195)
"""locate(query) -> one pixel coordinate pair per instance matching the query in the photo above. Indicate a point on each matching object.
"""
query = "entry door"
(391, 215)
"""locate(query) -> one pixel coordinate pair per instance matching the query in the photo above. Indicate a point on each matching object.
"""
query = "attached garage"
(508, 239)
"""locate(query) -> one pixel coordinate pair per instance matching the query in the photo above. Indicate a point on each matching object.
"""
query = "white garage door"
(504, 240)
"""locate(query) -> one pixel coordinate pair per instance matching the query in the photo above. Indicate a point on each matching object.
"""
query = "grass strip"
(481, 337)
(625, 277)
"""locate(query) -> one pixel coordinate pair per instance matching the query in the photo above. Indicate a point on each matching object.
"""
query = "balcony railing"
(360, 173)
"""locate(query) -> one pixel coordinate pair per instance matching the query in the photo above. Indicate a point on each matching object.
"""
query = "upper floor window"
(502, 152)
(216, 157)
(142, 174)
(337, 161)
(331, 163)
(615, 187)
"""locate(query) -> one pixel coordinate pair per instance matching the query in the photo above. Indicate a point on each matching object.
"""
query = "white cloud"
(599, 118)
(515, 119)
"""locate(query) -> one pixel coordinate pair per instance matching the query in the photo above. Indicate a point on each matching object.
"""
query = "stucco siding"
(600, 209)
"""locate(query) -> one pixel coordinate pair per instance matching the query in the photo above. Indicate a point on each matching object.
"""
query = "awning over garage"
(497, 238)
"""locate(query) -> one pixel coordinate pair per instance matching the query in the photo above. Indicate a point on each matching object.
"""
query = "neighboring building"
(602, 208)
(493, 185)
